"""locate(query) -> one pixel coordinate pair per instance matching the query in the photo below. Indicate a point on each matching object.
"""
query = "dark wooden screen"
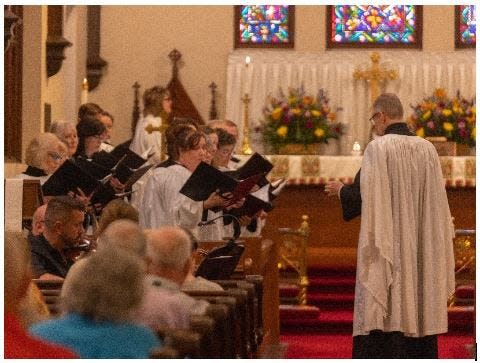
(13, 60)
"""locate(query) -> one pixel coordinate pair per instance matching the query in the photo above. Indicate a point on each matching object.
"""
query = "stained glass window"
(465, 26)
(374, 26)
(264, 26)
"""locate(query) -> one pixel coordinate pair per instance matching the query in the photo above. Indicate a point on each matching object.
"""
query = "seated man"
(18, 344)
(63, 229)
(38, 220)
(169, 250)
(159, 308)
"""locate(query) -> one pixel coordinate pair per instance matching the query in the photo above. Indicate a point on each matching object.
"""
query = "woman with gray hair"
(45, 153)
(67, 133)
(98, 296)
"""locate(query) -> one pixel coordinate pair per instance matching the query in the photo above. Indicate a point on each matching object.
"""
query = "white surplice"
(164, 205)
(142, 140)
(405, 262)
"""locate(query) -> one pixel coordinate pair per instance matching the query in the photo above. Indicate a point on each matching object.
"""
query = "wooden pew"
(260, 258)
(50, 290)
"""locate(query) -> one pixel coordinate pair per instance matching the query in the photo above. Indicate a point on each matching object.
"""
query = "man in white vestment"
(405, 261)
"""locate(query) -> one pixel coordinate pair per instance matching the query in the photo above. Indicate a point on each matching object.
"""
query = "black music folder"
(220, 263)
(257, 164)
(68, 178)
(206, 179)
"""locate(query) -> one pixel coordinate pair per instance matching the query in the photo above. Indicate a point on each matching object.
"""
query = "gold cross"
(150, 128)
(376, 75)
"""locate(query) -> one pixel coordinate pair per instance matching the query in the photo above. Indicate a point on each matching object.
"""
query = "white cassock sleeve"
(164, 205)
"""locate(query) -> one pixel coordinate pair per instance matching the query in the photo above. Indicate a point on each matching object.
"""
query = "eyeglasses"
(55, 156)
(372, 119)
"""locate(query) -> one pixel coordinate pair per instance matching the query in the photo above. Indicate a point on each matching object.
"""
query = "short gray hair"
(37, 149)
(390, 105)
(124, 234)
(169, 247)
(106, 286)
(59, 127)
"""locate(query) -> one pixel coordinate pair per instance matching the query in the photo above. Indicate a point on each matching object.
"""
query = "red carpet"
(324, 328)
(304, 346)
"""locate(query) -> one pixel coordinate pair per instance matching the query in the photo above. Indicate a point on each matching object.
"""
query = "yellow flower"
(474, 110)
(292, 100)
(282, 131)
(427, 115)
(315, 113)
(297, 111)
(447, 126)
(319, 132)
(420, 132)
(277, 113)
(440, 93)
(457, 109)
(474, 133)
(447, 112)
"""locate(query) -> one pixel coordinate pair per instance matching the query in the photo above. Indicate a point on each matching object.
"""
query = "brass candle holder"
(246, 149)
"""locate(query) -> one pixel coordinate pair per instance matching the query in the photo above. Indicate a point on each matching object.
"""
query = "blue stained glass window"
(373, 24)
(467, 26)
(264, 24)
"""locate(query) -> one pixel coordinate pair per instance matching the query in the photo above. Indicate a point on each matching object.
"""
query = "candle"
(249, 74)
(84, 94)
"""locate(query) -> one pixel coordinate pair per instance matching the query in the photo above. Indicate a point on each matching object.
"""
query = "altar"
(333, 241)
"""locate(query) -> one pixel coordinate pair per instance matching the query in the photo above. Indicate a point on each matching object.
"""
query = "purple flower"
(431, 125)
(462, 133)
(309, 124)
(461, 124)
(287, 119)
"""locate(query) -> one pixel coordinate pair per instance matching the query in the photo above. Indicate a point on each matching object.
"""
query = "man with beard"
(63, 229)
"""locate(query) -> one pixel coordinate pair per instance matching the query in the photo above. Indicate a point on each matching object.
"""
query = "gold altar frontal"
(333, 241)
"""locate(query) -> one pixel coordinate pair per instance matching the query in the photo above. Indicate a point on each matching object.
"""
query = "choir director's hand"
(333, 187)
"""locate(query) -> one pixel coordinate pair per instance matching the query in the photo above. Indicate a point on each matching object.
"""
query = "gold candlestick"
(246, 150)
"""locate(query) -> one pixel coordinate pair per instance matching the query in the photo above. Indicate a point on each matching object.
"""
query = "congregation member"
(116, 209)
(163, 204)
(38, 220)
(17, 276)
(405, 263)
(44, 155)
(169, 251)
(159, 308)
(63, 229)
(99, 296)
(157, 107)
(192, 282)
(67, 133)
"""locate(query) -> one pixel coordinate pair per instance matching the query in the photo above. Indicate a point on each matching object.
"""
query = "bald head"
(38, 220)
(169, 248)
(124, 234)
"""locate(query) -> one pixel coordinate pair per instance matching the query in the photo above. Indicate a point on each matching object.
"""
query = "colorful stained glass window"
(467, 24)
(260, 25)
(375, 25)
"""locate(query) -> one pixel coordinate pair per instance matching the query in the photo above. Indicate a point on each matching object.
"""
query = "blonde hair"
(105, 286)
(37, 150)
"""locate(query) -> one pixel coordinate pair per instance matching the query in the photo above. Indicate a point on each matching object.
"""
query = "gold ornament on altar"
(375, 76)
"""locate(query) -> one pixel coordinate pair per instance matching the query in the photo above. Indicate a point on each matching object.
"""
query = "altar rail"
(458, 171)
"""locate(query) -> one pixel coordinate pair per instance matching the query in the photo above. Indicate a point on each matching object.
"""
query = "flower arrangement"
(439, 116)
(300, 118)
